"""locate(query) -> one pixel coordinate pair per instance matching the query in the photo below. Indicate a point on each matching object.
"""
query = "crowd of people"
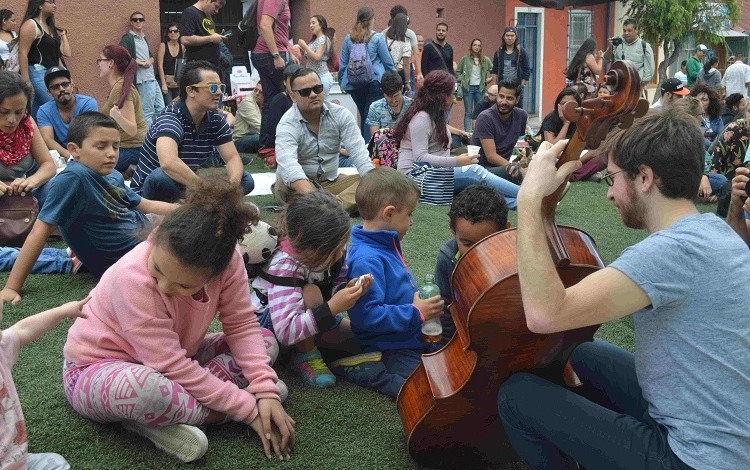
(165, 242)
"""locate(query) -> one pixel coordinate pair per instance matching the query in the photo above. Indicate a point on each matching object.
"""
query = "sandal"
(514, 173)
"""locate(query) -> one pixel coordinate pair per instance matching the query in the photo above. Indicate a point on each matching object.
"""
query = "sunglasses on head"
(305, 92)
(137, 20)
(59, 86)
(213, 88)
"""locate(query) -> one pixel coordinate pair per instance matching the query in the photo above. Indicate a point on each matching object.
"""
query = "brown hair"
(125, 65)
(362, 28)
(383, 187)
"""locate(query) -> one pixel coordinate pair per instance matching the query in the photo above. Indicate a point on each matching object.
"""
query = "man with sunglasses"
(183, 137)
(54, 116)
(681, 399)
(145, 78)
(308, 139)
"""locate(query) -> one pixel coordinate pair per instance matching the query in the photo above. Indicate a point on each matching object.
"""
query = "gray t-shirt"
(692, 345)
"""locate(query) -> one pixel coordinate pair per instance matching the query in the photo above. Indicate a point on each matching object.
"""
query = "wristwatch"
(276, 55)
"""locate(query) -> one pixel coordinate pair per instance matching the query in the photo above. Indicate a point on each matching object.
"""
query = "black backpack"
(247, 28)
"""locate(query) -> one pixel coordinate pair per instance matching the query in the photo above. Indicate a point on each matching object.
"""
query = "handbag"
(435, 184)
(17, 216)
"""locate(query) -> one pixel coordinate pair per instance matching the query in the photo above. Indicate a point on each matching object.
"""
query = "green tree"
(667, 22)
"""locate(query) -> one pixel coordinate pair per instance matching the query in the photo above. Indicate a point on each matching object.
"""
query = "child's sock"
(310, 366)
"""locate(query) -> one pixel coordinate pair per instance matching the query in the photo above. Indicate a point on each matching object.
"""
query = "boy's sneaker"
(77, 265)
(272, 345)
(357, 367)
(186, 443)
(310, 366)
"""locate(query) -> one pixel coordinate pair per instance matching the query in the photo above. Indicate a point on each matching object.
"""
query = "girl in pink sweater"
(143, 358)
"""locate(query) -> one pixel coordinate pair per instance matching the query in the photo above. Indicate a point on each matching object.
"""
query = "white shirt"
(736, 78)
(681, 77)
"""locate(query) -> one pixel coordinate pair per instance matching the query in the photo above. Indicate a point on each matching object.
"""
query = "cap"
(701, 47)
(54, 72)
(509, 29)
(290, 69)
(731, 58)
(675, 86)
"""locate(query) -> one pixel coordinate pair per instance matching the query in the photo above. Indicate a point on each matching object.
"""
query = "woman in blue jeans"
(425, 140)
(41, 46)
(364, 84)
(473, 73)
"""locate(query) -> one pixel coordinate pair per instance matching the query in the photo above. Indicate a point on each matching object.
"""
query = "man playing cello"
(682, 400)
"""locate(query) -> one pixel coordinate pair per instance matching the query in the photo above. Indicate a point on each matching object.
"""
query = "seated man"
(497, 131)
(686, 404)
(54, 116)
(182, 137)
(735, 108)
(246, 129)
(490, 96)
(385, 111)
(308, 140)
(672, 89)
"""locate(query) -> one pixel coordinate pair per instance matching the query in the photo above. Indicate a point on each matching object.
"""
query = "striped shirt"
(292, 322)
(194, 146)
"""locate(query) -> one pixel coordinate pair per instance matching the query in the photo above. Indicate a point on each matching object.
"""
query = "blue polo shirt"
(49, 116)
(194, 145)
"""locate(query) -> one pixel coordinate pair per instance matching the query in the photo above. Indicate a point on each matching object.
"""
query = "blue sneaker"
(310, 366)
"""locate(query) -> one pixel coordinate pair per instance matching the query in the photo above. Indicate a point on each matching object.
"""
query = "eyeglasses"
(305, 92)
(99, 61)
(137, 20)
(609, 177)
(59, 86)
(173, 31)
(213, 88)
(50, 1)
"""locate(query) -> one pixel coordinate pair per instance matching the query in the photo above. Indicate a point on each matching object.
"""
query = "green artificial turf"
(344, 427)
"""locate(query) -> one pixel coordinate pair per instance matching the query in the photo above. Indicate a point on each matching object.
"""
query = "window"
(579, 29)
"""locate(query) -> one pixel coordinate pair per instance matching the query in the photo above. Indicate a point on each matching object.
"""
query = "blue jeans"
(363, 97)
(472, 97)
(463, 176)
(388, 375)
(151, 99)
(159, 186)
(249, 143)
(50, 261)
(128, 156)
(36, 76)
(716, 180)
(549, 424)
(271, 79)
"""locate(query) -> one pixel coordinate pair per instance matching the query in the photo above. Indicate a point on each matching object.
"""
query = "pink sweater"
(129, 319)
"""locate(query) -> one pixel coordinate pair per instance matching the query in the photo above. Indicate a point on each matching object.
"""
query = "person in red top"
(143, 358)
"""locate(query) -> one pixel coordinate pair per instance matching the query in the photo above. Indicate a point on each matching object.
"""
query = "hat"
(674, 86)
(509, 29)
(54, 72)
(291, 69)
(701, 47)
(731, 58)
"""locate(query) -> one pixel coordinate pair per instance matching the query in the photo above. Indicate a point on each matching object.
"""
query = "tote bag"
(435, 184)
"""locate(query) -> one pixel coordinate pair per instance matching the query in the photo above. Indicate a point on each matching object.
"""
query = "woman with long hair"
(123, 103)
(709, 74)
(400, 48)
(511, 62)
(319, 51)
(8, 25)
(333, 58)
(41, 46)
(363, 82)
(473, 73)
(424, 140)
(711, 122)
(585, 66)
(555, 127)
(169, 51)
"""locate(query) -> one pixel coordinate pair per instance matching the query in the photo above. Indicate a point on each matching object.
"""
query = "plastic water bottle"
(432, 330)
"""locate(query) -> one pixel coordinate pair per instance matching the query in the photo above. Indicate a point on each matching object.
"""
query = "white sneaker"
(283, 390)
(186, 443)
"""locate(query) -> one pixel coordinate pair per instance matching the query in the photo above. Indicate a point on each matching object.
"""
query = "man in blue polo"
(182, 138)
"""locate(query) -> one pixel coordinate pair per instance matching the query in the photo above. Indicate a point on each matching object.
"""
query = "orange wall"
(91, 26)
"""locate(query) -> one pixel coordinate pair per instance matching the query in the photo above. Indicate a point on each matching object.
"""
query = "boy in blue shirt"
(477, 212)
(98, 216)
(387, 319)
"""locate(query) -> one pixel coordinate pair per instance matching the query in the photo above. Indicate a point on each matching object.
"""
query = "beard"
(633, 211)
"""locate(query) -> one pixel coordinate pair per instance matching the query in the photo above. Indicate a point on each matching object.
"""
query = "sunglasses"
(305, 92)
(213, 88)
(60, 86)
(137, 20)
(99, 61)
(609, 178)
(50, 1)
(174, 31)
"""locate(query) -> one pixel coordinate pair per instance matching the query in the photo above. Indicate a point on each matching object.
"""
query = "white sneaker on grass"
(186, 443)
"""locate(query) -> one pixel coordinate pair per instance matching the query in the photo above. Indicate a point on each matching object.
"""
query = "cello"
(448, 405)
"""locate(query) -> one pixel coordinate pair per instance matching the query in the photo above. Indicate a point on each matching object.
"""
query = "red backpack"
(383, 146)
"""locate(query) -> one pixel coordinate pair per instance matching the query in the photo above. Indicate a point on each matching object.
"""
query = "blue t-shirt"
(692, 344)
(49, 116)
(382, 115)
(96, 215)
(194, 146)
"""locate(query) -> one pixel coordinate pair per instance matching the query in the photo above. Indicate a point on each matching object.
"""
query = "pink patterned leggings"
(110, 390)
